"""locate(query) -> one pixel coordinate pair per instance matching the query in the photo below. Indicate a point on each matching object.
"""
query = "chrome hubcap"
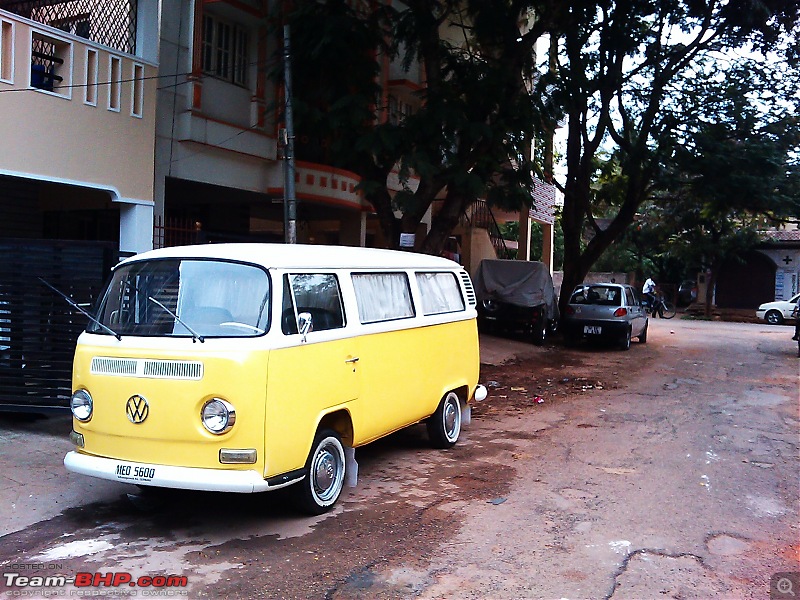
(325, 471)
(451, 419)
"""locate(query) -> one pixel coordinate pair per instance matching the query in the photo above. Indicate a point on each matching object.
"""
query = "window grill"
(111, 23)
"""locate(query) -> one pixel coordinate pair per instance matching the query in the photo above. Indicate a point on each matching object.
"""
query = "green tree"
(480, 107)
(621, 70)
(618, 77)
(737, 162)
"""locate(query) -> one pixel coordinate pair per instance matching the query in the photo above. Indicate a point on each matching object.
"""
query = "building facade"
(78, 84)
(219, 168)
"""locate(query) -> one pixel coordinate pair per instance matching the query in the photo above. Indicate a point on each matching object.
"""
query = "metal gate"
(38, 329)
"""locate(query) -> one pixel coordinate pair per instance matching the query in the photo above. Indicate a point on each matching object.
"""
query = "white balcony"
(75, 111)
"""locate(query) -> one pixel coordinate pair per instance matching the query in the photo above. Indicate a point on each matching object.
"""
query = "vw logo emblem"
(137, 409)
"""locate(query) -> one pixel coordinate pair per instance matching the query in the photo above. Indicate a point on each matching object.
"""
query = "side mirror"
(304, 324)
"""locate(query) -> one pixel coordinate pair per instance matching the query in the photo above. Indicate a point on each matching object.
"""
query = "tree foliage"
(624, 78)
(479, 108)
(734, 167)
(623, 69)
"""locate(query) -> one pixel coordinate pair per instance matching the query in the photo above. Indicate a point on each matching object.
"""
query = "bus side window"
(314, 293)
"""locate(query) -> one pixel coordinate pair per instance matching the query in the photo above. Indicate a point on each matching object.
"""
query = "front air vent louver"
(173, 369)
(469, 289)
(140, 367)
(114, 366)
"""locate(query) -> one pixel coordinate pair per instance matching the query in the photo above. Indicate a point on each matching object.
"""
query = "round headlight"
(218, 416)
(81, 405)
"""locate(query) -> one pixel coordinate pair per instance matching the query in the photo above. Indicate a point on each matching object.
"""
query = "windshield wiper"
(83, 311)
(195, 336)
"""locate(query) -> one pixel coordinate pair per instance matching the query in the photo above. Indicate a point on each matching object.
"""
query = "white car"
(777, 312)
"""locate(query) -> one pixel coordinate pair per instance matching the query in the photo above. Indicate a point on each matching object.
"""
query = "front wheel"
(325, 470)
(774, 317)
(444, 426)
(667, 310)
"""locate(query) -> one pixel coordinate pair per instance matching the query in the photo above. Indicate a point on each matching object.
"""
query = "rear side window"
(631, 297)
(315, 293)
(440, 293)
(382, 296)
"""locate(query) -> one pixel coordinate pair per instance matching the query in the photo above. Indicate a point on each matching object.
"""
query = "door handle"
(352, 360)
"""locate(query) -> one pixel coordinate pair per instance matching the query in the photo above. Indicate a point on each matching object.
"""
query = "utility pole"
(289, 199)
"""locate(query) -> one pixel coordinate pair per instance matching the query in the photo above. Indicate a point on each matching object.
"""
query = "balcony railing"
(111, 23)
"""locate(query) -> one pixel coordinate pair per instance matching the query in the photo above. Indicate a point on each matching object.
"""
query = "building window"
(51, 64)
(398, 110)
(80, 25)
(224, 50)
(137, 91)
(6, 51)
(114, 82)
(90, 89)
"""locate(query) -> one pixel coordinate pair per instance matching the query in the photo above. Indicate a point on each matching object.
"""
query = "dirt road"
(668, 471)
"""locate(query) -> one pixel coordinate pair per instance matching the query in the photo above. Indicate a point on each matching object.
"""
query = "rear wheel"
(667, 310)
(625, 342)
(539, 330)
(444, 426)
(325, 470)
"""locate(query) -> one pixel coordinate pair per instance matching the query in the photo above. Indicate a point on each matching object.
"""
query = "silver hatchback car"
(605, 311)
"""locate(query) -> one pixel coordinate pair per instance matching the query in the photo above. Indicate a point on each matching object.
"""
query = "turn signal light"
(620, 312)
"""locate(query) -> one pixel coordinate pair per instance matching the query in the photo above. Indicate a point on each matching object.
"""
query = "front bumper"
(185, 478)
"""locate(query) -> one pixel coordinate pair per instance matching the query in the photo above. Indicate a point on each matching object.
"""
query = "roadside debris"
(618, 470)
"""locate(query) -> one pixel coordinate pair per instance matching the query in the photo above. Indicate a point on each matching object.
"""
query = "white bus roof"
(303, 256)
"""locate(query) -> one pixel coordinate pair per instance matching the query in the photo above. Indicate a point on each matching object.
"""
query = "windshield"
(210, 298)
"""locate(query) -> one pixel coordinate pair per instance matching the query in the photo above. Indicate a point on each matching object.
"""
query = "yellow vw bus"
(251, 367)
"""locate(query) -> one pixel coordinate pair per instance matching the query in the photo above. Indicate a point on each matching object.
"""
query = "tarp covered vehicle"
(516, 295)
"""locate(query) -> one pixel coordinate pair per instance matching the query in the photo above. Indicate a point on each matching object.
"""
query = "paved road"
(669, 471)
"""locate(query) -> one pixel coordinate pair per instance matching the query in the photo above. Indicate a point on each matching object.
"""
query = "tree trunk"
(711, 283)
(444, 222)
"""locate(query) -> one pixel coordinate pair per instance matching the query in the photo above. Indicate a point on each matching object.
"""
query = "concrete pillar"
(524, 248)
(547, 245)
(135, 226)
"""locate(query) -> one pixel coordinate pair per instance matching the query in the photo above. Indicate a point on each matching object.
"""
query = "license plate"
(133, 473)
(592, 329)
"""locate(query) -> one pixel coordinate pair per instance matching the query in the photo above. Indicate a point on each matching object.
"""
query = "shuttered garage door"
(38, 329)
